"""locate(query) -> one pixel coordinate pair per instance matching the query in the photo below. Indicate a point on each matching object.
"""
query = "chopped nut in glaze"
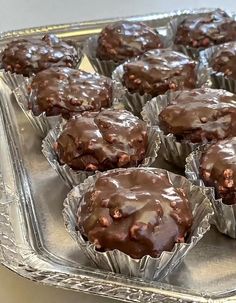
(29, 56)
(139, 214)
(218, 169)
(101, 141)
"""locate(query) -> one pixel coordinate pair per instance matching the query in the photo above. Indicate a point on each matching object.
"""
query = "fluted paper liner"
(147, 267)
(43, 123)
(134, 102)
(219, 80)
(173, 26)
(14, 80)
(72, 177)
(174, 151)
(224, 215)
(106, 67)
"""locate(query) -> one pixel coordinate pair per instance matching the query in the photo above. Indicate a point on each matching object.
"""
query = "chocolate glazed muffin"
(204, 31)
(224, 60)
(218, 169)
(66, 91)
(157, 71)
(200, 116)
(102, 141)
(135, 211)
(29, 56)
(124, 39)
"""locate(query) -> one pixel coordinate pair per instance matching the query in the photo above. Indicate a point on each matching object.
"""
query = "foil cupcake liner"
(174, 152)
(224, 215)
(218, 79)
(72, 177)
(173, 26)
(134, 102)
(14, 80)
(11, 79)
(106, 67)
(42, 123)
(148, 268)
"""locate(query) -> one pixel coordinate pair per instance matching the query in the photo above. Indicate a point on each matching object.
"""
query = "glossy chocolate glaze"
(218, 169)
(203, 31)
(124, 39)
(158, 71)
(29, 56)
(101, 141)
(224, 60)
(66, 91)
(135, 211)
(200, 115)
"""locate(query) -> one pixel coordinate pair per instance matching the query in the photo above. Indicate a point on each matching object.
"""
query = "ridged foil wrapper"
(72, 177)
(173, 26)
(106, 67)
(224, 215)
(43, 123)
(218, 79)
(147, 267)
(134, 102)
(174, 152)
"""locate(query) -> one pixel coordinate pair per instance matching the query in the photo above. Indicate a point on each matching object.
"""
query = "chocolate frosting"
(66, 91)
(138, 212)
(29, 56)
(158, 71)
(200, 115)
(124, 39)
(203, 31)
(218, 169)
(224, 60)
(101, 141)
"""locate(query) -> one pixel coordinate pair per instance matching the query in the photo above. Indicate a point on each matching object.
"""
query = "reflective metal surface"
(33, 239)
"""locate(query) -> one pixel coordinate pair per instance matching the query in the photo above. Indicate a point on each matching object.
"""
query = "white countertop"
(16, 14)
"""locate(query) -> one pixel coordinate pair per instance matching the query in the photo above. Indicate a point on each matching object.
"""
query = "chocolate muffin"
(29, 56)
(218, 169)
(157, 71)
(125, 39)
(66, 91)
(102, 141)
(224, 60)
(206, 30)
(136, 211)
(200, 116)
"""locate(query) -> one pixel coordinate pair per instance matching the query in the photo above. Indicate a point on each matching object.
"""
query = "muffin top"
(206, 30)
(159, 70)
(224, 60)
(218, 169)
(125, 39)
(101, 141)
(29, 56)
(200, 115)
(66, 91)
(136, 211)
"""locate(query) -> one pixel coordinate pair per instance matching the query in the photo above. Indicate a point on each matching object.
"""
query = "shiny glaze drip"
(158, 71)
(66, 91)
(136, 211)
(29, 56)
(218, 169)
(101, 141)
(224, 60)
(203, 31)
(122, 40)
(200, 115)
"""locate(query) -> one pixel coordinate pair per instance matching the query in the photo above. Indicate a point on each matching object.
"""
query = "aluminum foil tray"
(33, 240)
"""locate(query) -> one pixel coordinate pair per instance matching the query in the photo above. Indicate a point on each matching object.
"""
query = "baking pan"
(33, 239)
